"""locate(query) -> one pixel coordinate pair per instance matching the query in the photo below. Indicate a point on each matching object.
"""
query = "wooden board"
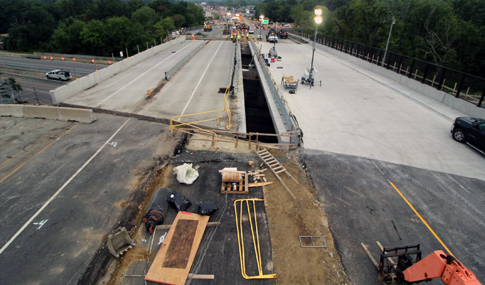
(176, 255)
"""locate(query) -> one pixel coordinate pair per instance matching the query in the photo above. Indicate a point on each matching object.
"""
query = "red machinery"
(407, 271)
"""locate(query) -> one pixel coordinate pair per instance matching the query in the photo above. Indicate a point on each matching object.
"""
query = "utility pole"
(388, 39)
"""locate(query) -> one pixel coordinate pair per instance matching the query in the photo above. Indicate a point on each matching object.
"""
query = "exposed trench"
(258, 117)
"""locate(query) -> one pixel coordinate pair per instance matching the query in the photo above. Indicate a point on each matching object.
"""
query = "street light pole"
(318, 20)
(388, 39)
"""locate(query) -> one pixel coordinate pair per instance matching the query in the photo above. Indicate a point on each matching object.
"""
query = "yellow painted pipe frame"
(240, 239)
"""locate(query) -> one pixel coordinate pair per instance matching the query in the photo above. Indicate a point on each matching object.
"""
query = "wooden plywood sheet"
(176, 255)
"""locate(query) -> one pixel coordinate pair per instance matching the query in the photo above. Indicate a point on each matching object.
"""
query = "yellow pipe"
(240, 239)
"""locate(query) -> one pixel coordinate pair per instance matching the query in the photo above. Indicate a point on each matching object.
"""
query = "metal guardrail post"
(412, 68)
(460, 86)
(425, 73)
(442, 79)
(481, 98)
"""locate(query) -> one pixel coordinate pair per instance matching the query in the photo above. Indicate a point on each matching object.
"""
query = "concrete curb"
(48, 112)
(65, 92)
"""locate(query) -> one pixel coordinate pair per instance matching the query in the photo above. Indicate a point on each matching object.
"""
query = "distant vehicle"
(282, 34)
(272, 39)
(271, 32)
(207, 27)
(251, 30)
(470, 131)
(58, 74)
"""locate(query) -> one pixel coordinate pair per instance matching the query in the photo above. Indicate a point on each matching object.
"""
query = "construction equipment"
(207, 27)
(406, 271)
(289, 82)
(227, 30)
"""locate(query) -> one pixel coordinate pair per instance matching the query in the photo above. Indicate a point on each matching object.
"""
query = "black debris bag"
(179, 202)
(207, 208)
(157, 210)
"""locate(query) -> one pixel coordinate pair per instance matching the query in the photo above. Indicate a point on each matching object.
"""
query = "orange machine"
(407, 271)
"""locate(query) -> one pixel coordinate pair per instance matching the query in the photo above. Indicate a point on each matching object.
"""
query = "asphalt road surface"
(48, 65)
(33, 90)
(64, 187)
(365, 201)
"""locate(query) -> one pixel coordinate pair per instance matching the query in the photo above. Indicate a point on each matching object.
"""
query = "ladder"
(275, 166)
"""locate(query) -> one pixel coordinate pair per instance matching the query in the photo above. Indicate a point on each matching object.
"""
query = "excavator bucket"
(119, 243)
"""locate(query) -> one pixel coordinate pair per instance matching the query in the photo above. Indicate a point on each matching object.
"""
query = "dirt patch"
(288, 219)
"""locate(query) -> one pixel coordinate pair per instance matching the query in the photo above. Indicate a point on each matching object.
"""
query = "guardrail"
(442, 78)
(236, 137)
(226, 108)
(288, 118)
(173, 119)
(171, 72)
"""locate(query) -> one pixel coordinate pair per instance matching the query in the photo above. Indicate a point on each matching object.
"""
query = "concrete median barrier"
(48, 112)
(43, 112)
(11, 110)
(75, 114)
(65, 92)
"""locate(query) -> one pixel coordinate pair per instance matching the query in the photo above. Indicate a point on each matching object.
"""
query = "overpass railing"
(462, 85)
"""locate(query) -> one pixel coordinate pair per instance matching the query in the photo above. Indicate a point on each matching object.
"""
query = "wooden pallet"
(176, 254)
(275, 167)
(241, 188)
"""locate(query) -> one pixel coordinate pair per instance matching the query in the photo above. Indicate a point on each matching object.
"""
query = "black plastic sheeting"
(179, 202)
(207, 208)
(157, 210)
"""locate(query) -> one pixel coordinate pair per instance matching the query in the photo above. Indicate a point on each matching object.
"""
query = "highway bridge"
(380, 154)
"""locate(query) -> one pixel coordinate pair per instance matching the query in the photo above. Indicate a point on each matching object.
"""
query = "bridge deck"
(360, 113)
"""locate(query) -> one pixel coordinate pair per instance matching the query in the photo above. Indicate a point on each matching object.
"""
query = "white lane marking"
(458, 183)
(183, 111)
(139, 76)
(60, 190)
(378, 168)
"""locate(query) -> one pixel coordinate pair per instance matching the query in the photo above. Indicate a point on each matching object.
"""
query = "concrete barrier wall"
(437, 95)
(65, 92)
(47, 112)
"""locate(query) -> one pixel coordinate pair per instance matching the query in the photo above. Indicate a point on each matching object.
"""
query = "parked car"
(58, 74)
(282, 34)
(272, 39)
(470, 131)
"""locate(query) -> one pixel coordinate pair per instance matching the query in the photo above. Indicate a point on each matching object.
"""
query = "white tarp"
(186, 173)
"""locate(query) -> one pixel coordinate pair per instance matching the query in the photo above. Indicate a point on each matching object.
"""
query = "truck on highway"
(207, 27)
(59, 74)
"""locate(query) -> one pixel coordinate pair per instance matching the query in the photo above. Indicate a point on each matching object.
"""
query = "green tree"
(145, 16)
(93, 37)
(162, 27)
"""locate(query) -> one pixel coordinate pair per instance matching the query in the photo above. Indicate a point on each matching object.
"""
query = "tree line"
(95, 27)
(448, 33)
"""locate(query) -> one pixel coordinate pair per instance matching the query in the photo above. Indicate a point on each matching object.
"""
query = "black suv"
(470, 131)
(282, 34)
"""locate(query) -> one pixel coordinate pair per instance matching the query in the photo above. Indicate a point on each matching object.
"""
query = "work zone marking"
(422, 220)
(46, 147)
(141, 75)
(60, 190)
(197, 86)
